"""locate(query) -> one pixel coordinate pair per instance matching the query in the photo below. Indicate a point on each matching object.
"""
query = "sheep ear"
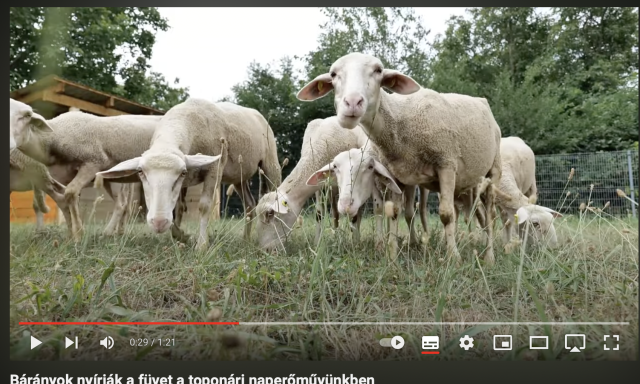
(317, 88)
(523, 215)
(321, 174)
(382, 171)
(124, 169)
(40, 123)
(551, 211)
(399, 82)
(199, 161)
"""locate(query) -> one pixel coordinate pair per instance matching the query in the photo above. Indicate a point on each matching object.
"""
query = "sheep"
(277, 211)
(26, 174)
(444, 142)
(82, 144)
(233, 142)
(360, 176)
(517, 193)
(23, 123)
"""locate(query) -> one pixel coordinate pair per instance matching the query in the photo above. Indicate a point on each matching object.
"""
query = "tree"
(90, 45)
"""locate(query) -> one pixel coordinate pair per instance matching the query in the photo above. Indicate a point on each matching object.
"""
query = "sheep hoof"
(202, 245)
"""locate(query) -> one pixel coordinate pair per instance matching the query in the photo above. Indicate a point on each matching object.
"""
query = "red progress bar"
(124, 323)
(430, 353)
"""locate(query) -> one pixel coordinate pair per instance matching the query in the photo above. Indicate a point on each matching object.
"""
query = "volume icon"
(107, 342)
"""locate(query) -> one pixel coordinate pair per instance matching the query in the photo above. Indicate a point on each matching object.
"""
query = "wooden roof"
(64, 93)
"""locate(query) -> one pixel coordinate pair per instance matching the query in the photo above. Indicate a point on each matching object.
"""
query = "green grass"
(143, 277)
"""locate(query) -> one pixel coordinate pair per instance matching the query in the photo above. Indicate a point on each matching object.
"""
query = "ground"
(593, 277)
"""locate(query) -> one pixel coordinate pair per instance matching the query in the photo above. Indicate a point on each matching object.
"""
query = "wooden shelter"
(52, 96)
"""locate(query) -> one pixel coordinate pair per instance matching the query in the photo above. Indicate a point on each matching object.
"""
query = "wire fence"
(596, 178)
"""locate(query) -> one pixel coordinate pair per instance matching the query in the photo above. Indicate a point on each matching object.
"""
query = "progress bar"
(272, 323)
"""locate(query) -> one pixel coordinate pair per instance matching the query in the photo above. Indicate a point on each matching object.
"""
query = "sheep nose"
(353, 100)
(160, 224)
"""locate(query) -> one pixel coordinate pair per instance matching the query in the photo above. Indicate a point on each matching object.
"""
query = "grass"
(141, 277)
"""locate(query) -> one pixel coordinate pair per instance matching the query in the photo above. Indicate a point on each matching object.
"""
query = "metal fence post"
(633, 194)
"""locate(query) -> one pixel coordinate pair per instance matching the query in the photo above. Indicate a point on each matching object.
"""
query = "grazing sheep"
(442, 142)
(192, 136)
(82, 144)
(360, 176)
(26, 174)
(24, 122)
(277, 211)
(517, 192)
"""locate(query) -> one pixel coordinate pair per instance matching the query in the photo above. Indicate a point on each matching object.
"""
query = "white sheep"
(517, 193)
(277, 211)
(82, 144)
(361, 176)
(220, 142)
(443, 142)
(24, 122)
(26, 174)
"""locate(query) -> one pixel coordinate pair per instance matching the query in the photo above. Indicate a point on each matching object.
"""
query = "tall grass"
(138, 276)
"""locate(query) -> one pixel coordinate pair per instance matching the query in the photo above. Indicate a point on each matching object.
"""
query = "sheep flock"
(380, 148)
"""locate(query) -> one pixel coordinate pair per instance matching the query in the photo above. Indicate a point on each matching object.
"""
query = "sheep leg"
(424, 212)
(86, 173)
(178, 212)
(393, 213)
(212, 182)
(447, 179)
(355, 225)
(334, 194)
(489, 210)
(119, 207)
(249, 205)
(378, 213)
(319, 214)
(409, 212)
(40, 208)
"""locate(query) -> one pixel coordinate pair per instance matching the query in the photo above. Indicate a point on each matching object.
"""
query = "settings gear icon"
(466, 342)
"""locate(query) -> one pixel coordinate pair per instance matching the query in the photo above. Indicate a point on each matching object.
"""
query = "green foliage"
(94, 46)
(564, 80)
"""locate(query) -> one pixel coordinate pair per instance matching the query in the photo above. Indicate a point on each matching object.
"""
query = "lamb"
(517, 192)
(360, 176)
(278, 210)
(220, 142)
(26, 174)
(82, 144)
(23, 123)
(441, 141)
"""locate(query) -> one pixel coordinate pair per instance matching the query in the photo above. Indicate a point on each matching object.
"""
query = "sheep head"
(356, 79)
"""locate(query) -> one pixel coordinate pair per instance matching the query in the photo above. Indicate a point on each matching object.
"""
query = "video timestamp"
(151, 342)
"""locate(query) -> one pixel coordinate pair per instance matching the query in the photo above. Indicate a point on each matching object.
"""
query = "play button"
(35, 342)
(397, 342)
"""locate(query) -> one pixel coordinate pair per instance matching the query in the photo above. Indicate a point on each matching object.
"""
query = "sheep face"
(356, 80)
(23, 123)
(541, 218)
(162, 176)
(355, 173)
(275, 220)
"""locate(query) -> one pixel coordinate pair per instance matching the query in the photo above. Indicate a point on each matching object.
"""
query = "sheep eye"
(378, 70)
(184, 172)
(371, 167)
(333, 74)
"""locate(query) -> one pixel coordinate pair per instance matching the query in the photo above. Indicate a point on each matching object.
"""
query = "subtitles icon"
(575, 347)
(107, 342)
(502, 342)
(430, 343)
